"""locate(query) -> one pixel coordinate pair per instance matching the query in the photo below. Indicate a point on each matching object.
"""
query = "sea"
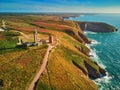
(105, 49)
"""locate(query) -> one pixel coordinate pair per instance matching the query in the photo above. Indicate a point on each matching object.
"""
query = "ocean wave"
(89, 32)
(82, 15)
(104, 80)
(95, 42)
(93, 55)
(71, 18)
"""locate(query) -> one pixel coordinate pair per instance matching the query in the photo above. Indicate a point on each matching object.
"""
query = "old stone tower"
(50, 39)
(35, 35)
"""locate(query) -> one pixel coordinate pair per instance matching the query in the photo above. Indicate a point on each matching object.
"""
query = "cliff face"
(96, 27)
(92, 69)
(93, 73)
(77, 33)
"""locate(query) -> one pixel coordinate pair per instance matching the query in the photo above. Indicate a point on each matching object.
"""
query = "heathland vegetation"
(69, 66)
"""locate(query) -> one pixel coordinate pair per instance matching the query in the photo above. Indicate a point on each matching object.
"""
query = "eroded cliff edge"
(97, 27)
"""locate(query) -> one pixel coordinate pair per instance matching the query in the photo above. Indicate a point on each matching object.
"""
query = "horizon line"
(66, 12)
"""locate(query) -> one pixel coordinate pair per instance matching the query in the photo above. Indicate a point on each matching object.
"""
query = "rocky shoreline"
(92, 73)
(95, 27)
(99, 27)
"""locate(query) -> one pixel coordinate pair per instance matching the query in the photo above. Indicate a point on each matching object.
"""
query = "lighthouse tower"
(3, 24)
(35, 35)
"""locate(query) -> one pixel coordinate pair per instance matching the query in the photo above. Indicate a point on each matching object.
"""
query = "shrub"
(11, 34)
(8, 44)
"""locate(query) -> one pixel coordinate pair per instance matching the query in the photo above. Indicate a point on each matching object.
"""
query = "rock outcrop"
(93, 73)
(97, 27)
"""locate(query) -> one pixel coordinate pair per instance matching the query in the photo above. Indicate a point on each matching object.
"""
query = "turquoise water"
(106, 50)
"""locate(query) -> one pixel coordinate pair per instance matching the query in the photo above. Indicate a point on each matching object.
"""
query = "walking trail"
(43, 66)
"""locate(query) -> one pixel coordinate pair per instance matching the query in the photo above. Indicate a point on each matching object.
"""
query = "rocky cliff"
(97, 27)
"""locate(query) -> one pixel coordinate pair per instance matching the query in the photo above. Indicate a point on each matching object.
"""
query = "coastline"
(102, 71)
(93, 55)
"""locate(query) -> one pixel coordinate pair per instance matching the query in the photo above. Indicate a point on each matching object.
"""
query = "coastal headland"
(97, 27)
(69, 65)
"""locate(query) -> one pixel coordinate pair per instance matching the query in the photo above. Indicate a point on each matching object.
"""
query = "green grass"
(18, 65)
(75, 43)
(18, 68)
(73, 56)
(61, 74)
(7, 44)
(43, 86)
(11, 34)
(9, 41)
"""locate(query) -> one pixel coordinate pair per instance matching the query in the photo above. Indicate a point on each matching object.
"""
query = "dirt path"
(43, 66)
(25, 35)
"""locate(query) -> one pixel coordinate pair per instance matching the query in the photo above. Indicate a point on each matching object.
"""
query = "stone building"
(50, 39)
(36, 42)
(42, 41)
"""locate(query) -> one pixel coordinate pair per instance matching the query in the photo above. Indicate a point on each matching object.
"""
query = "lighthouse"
(35, 35)
(3, 24)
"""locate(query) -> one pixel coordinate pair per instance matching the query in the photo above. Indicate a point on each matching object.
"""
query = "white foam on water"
(82, 15)
(89, 32)
(71, 18)
(93, 54)
(95, 42)
(96, 58)
(106, 79)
